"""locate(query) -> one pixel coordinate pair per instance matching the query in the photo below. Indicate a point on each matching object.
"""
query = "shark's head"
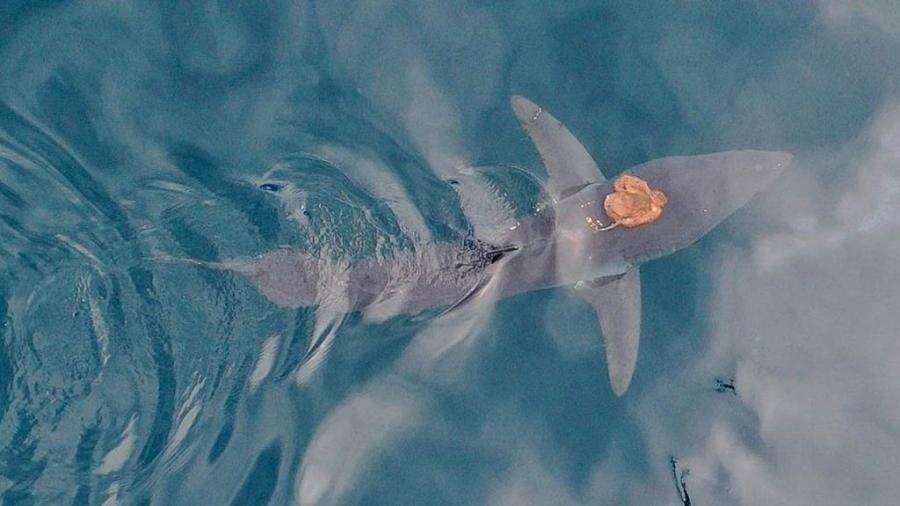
(701, 191)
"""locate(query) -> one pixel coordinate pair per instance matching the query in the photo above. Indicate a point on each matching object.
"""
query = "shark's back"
(407, 282)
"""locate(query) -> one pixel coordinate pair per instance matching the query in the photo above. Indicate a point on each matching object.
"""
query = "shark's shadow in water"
(558, 247)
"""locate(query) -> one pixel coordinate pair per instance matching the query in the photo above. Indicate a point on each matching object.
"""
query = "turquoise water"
(133, 134)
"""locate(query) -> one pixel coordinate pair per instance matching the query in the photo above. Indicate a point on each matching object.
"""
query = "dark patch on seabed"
(723, 386)
(680, 479)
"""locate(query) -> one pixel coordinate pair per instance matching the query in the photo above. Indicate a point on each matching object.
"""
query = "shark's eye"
(270, 187)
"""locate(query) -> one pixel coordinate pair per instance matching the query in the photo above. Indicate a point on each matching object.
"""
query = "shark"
(560, 247)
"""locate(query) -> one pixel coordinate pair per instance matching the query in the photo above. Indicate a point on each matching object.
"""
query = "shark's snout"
(764, 167)
(721, 181)
(744, 174)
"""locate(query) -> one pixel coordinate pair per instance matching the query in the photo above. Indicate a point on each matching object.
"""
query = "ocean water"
(135, 135)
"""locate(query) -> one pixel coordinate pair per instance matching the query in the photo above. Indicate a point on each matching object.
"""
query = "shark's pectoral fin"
(618, 307)
(569, 166)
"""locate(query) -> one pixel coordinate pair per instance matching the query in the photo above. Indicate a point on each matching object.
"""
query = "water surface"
(214, 131)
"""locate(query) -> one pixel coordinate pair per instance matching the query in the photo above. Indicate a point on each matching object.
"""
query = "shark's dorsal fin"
(569, 165)
(617, 302)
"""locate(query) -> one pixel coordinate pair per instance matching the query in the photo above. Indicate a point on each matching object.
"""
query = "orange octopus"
(633, 203)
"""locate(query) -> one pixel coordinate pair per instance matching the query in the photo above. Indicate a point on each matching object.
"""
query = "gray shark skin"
(555, 248)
